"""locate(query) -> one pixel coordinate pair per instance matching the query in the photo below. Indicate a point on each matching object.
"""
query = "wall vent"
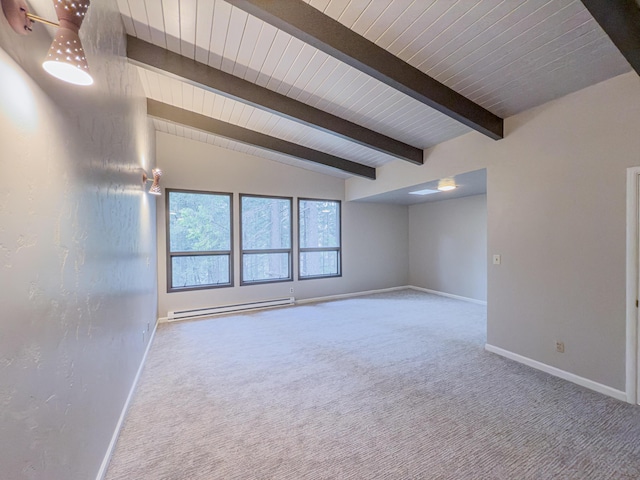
(238, 307)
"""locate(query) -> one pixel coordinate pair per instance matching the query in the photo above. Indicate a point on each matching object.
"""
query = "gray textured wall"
(556, 209)
(448, 246)
(374, 236)
(77, 250)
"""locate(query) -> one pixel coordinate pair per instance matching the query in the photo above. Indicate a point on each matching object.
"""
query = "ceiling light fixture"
(155, 187)
(447, 184)
(66, 59)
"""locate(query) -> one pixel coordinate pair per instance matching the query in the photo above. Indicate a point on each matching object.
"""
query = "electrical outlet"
(291, 290)
(497, 259)
(560, 347)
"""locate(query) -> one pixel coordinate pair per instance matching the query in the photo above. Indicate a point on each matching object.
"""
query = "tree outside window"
(265, 239)
(319, 238)
(199, 240)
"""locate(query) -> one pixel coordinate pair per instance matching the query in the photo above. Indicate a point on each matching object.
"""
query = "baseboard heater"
(238, 307)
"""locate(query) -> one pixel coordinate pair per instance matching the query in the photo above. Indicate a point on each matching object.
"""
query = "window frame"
(170, 254)
(263, 251)
(320, 249)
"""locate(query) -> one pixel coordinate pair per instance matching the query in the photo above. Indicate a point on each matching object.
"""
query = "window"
(198, 240)
(265, 226)
(319, 238)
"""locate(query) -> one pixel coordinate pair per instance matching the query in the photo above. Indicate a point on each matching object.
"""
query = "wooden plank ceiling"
(505, 55)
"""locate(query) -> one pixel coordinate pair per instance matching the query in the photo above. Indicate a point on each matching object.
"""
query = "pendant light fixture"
(66, 59)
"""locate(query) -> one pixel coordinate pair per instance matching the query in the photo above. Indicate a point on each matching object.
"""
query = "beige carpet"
(392, 386)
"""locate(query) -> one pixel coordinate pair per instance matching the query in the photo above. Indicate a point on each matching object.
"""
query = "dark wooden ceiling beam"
(620, 19)
(324, 33)
(159, 59)
(194, 120)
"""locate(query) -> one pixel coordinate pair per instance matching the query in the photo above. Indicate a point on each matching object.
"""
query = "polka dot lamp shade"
(155, 187)
(66, 59)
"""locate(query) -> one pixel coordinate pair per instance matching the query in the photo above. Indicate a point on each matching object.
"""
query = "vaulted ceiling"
(345, 86)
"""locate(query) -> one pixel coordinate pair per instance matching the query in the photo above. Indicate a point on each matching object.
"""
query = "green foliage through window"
(319, 234)
(266, 238)
(199, 239)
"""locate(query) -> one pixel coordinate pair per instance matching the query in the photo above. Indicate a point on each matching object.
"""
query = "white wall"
(556, 213)
(77, 251)
(448, 246)
(374, 237)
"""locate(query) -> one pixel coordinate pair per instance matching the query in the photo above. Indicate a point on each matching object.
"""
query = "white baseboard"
(114, 439)
(305, 300)
(349, 295)
(450, 295)
(556, 372)
(342, 296)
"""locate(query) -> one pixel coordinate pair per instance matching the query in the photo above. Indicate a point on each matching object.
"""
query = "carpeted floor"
(389, 386)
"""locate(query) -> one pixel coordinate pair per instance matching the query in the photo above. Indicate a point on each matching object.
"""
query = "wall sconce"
(447, 184)
(66, 59)
(155, 186)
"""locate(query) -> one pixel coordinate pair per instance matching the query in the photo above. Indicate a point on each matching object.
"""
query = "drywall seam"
(556, 372)
(114, 439)
(450, 295)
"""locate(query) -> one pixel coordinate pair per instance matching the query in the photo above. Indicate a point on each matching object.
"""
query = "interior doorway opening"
(633, 286)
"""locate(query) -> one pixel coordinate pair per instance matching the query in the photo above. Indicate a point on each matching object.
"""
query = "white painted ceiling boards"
(505, 55)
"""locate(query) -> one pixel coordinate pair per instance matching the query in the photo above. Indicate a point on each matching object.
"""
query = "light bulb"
(67, 72)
